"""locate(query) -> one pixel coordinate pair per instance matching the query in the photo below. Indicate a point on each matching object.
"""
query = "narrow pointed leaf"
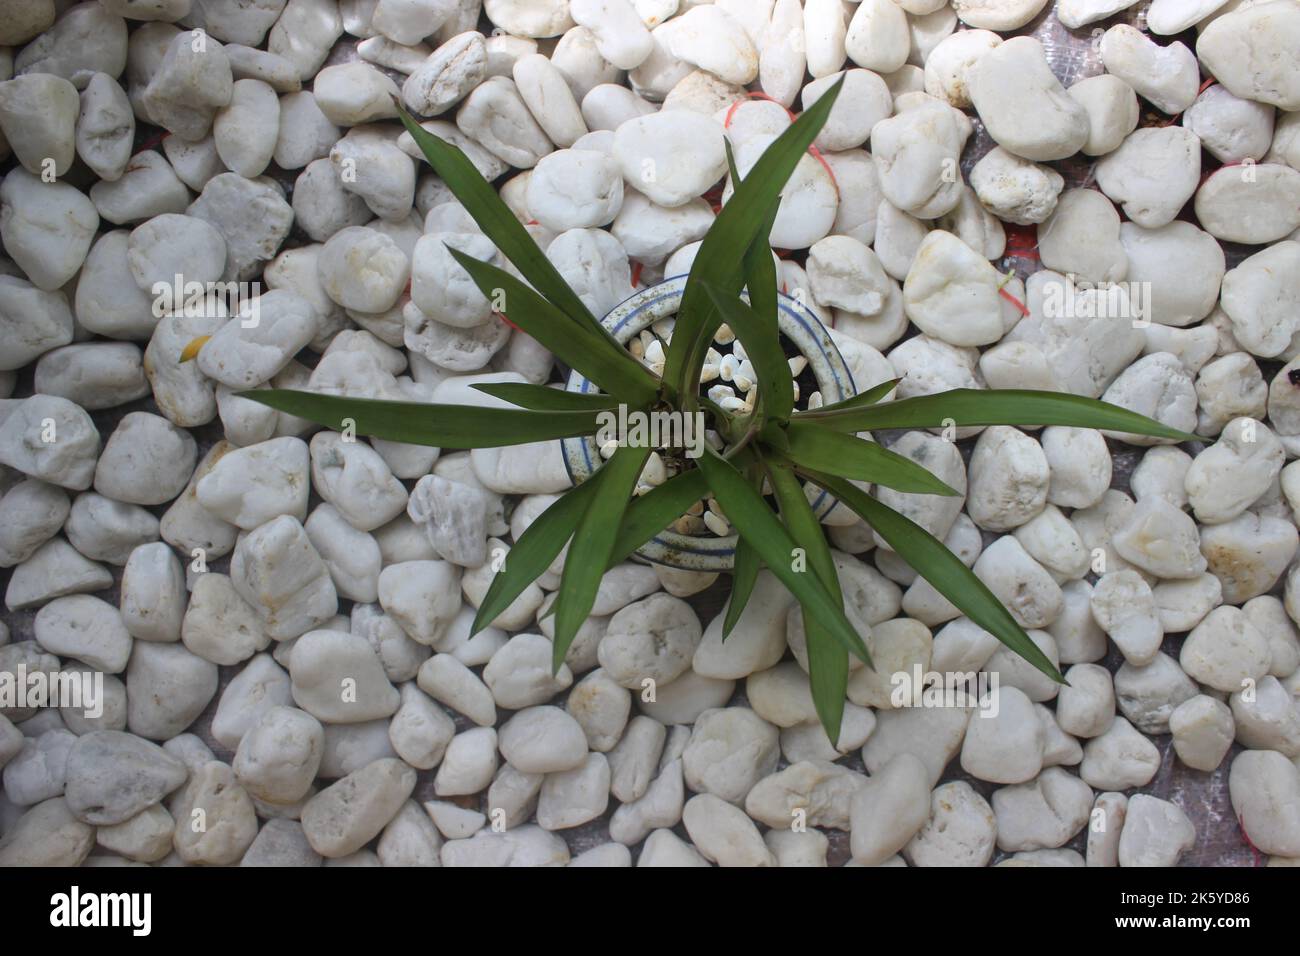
(497, 222)
(871, 396)
(760, 272)
(732, 169)
(804, 527)
(777, 393)
(543, 398)
(848, 456)
(828, 675)
(744, 572)
(763, 346)
(1003, 406)
(650, 513)
(722, 252)
(828, 663)
(417, 423)
(593, 543)
(754, 519)
(534, 551)
(610, 366)
(943, 569)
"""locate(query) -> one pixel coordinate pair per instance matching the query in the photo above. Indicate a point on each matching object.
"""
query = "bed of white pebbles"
(281, 614)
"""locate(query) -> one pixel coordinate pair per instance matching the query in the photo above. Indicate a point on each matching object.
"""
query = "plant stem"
(745, 439)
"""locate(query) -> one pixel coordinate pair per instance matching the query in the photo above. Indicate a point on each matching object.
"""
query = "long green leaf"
(1003, 406)
(610, 366)
(744, 571)
(777, 393)
(650, 513)
(828, 663)
(535, 550)
(722, 253)
(497, 221)
(848, 456)
(870, 397)
(732, 168)
(943, 569)
(755, 521)
(543, 398)
(416, 423)
(763, 346)
(744, 574)
(593, 543)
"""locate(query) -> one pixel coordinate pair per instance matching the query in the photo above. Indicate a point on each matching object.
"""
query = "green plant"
(774, 445)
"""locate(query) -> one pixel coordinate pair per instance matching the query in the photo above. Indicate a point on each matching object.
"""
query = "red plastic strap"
(816, 153)
(1014, 301)
(1209, 82)
(731, 111)
(502, 317)
(1254, 851)
(636, 274)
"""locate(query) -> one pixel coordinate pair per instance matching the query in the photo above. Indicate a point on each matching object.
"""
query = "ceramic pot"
(707, 552)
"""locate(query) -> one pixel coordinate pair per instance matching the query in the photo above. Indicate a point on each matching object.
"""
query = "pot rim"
(640, 310)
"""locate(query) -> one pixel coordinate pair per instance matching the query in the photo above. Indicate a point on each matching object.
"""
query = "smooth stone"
(1167, 76)
(1043, 814)
(172, 688)
(338, 679)
(1156, 832)
(47, 835)
(1265, 791)
(889, 809)
(215, 818)
(468, 764)
(543, 740)
(1246, 51)
(113, 776)
(1023, 105)
(729, 751)
(1119, 758)
(278, 758)
(1152, 174)
(1112, 108)
(723, 833)
(86, 629)
(347, 815)
(961, 831)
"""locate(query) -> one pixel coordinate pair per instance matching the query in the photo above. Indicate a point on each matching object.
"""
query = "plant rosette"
(766, 448)
(693, 547)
